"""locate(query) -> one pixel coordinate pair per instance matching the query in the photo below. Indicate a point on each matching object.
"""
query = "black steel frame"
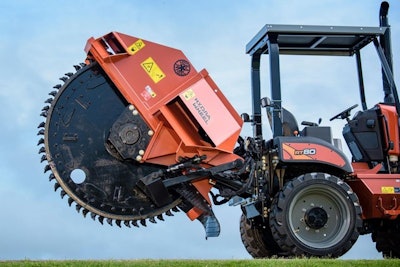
(275, 40)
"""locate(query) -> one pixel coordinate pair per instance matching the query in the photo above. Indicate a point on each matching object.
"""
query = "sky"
(42, 40)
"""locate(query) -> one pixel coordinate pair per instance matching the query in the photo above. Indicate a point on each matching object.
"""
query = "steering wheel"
(344, 114)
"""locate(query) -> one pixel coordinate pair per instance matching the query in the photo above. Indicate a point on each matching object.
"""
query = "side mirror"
(245, 117)
(266, 102)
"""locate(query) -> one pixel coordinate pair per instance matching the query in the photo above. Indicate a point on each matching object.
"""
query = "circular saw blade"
(78, 123)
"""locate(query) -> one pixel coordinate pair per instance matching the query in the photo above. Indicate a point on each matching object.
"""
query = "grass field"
(210, 263)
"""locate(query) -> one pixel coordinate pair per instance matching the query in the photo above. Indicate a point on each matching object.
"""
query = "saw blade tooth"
(85, 212)
(53, 93)
(42, 125)
(77, 67)
(101, 219)
(64, 79)
(41, 141)
(70, 201)
(93, 216)
(43, 158)
(57, 86)
(109, 221)
(45, 108)
(152, 220)
(169, 213)
(127, 224)
(134, 223)
(44, 114)
(48, 101)
(69, 74)
(42, 150)
(160, 217)
(51, 177)
(56, 186)
(78, 207)
(62, 193)
(118, 223)
(47, 168)
(82, 64)
(143, 222)
(175, 209)
(40, 132)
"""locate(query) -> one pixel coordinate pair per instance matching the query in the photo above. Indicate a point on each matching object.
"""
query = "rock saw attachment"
(137, 133)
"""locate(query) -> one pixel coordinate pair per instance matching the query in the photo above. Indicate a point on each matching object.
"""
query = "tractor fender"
(308, 149)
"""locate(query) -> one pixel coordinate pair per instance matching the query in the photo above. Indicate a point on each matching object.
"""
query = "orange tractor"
(137, 133)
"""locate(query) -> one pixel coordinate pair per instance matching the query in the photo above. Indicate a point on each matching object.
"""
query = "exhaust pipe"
(385, 41)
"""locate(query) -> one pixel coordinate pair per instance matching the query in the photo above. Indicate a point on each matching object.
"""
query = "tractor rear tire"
(257, 239)
(315, 214)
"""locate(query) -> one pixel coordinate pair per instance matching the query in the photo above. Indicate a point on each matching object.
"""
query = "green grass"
(210, 263)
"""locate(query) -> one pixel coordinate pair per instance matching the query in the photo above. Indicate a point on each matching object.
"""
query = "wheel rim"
(319, 216)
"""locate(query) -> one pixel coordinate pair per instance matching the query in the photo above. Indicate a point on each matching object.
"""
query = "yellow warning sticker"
(188, 94)
(387, 190)
(153, 70)
(136, 46)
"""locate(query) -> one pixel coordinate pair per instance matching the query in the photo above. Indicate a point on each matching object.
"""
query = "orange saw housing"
(185, 109)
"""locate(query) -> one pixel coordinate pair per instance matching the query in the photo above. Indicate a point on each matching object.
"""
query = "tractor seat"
(289, 123)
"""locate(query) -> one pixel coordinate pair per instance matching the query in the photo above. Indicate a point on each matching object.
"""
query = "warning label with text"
(153, 70)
